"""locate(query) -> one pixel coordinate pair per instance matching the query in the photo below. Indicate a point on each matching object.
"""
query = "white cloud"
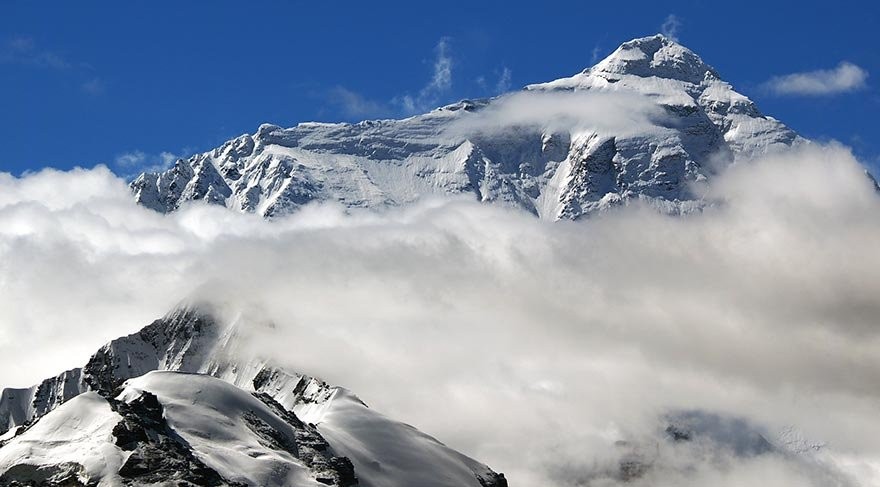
(439, 85)
(844, 78)
(442, 79)
(595, 54)
(503, 85)
(671, 26)
(354, 104)
(25, 51)
(561, 111)
(543, 344)
(93, 86)
(137, 161)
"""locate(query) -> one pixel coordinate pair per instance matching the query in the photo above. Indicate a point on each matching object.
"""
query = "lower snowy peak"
(185, 400)
(522, 158)
(170, 427)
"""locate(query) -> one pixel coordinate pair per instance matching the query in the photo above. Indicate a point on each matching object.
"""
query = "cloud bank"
(555, 352)
(844, 78)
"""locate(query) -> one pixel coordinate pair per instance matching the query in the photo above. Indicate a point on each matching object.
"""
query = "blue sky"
(133, 84)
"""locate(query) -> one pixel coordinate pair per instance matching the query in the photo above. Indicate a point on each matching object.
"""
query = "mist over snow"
(548, 350)
(622, 113)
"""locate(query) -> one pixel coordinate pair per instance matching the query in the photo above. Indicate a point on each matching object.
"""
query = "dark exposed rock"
(59, 475)
(308, 445)
(492, 479)
(158, 454)
(172, 339)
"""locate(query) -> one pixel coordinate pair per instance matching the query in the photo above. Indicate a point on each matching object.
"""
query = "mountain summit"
(184, 401)
(551, 171)
(656, 56)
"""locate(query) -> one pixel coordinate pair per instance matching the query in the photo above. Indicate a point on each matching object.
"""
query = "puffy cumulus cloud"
(844, 78)
(556, 352)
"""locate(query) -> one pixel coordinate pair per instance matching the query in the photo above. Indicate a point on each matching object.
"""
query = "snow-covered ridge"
(551, 173)
(218, 415)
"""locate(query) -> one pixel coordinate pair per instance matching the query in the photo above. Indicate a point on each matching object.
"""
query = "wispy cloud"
(594, 55)
(671, 26)
(24, 51)
(503, 84)
(442, 79)
(137, 161)
(844, 78)
(440, 83)
(353, 104)
(93, 86)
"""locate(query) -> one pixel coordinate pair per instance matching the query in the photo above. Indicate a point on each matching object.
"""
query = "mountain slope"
(550, 171)
(220, 415)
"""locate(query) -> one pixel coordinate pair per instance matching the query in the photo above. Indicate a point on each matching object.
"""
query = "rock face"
(184, 400)
(552, 173)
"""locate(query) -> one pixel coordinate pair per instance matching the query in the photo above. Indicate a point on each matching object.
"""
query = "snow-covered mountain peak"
(380, 163)
(654, 63)
(655, 56)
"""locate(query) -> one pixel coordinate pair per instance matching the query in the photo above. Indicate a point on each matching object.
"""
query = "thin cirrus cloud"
(501, 86)
(439, 85)
(25, 51)
(846, 77)
(353, 104)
